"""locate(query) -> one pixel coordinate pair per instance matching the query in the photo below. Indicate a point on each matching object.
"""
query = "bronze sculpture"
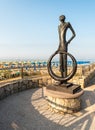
(63, 44)
(62, 51)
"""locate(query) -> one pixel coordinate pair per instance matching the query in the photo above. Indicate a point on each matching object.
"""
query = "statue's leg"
(65, 65)
(62, 65)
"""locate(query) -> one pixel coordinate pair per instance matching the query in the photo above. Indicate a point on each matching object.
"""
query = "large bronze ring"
(56, 77)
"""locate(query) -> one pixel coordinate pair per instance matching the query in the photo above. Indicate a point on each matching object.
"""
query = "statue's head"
(62, 18)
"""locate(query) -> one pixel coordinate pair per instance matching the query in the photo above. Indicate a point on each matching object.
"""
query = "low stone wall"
(17, 86)
(23, 84)
(83, 80)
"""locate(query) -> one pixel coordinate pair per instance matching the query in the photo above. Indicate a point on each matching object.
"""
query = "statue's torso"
(62, 35)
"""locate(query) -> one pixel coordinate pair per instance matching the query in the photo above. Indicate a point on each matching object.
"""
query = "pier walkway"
(28, 110)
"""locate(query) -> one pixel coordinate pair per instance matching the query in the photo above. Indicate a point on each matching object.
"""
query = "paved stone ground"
(28, 110)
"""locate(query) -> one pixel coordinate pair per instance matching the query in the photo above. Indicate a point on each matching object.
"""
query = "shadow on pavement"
(28, 110)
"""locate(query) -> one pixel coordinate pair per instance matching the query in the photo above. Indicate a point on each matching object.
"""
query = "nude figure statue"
(63, 44)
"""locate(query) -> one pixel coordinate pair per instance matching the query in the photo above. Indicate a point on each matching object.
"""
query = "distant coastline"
(30, 59)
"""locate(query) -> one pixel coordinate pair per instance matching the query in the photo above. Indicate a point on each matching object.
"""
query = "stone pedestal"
(62, 101)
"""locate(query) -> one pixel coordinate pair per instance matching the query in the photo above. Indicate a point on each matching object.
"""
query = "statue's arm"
(59, 34)
(73, 33)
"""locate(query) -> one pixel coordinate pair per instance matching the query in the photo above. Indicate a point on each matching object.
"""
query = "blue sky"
(29, 28)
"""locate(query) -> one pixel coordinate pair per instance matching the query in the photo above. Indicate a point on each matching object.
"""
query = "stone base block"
(64, 105)
(61, 101)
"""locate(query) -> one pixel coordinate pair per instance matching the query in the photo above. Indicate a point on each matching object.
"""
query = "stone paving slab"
(28, 110)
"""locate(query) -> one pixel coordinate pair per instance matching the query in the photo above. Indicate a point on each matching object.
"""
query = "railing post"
(22, 72)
